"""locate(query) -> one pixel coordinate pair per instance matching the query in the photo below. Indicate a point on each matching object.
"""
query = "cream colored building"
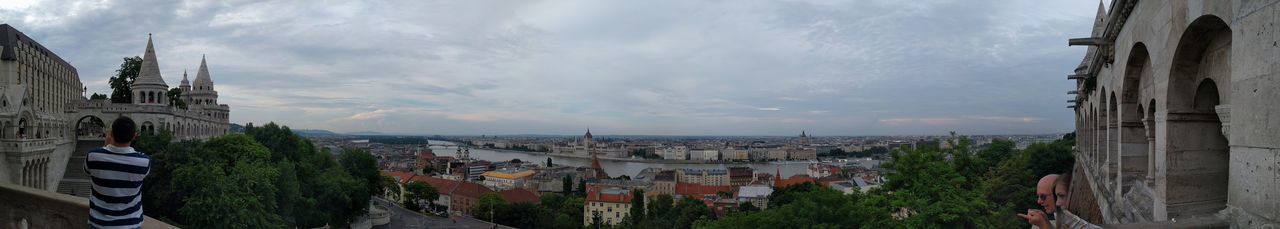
(613, 204)
(735, 154)
(704, 154)
(506, 179)
(48, 123)
(675, 153)
(709, 177)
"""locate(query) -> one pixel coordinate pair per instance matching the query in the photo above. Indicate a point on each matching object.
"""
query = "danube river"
(615, 168)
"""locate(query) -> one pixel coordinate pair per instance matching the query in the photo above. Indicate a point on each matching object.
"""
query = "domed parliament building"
(47, 125)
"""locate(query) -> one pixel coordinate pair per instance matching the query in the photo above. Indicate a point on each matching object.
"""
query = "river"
(615, 168)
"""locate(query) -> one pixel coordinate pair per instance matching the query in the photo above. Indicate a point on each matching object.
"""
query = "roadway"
(404, 218)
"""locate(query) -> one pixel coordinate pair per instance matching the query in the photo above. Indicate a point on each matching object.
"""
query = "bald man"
(1044, 192)
(1044, 197)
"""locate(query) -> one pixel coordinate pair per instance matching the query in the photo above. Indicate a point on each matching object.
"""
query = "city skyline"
(630, 68)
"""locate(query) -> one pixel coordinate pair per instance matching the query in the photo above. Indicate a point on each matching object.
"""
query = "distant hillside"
(313, 132)
(236, 128)
(366, 133)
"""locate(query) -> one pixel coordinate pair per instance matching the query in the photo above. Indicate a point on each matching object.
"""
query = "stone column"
(1224, 116)
(1149, 124)
(1082, 139)
(1133, 153)
(1103, 150)
(40, 174)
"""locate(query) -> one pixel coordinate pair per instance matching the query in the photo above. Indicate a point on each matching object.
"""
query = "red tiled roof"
(689, 189)
(594, 195)
(469, 189)
(443, 186)
(794, 180)
(398, 176)
(826, 181)
(520, 196)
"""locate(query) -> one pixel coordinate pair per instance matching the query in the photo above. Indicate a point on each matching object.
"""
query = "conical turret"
(1099, 24)
(149, 87)
(203, 82)
(185, 82)
(150, 72)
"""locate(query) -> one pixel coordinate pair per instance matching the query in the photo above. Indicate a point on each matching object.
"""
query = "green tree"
(597, 221)
(487, 206)
(566, 184)
(121, 82)
(389, 185)
(343, 200)
(175, 98)
(225, 187)
(660, 205)
(637, 207)
(812, 207)
(96, 96)
(688, 211)
(362, 165)
(418, 193)
(549, 162)
(747, 207)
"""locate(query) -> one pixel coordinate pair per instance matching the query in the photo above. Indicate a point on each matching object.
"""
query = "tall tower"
(149, 88)
(202, 92)
(595, 161)
(587, 141)
(777, 177)
(804, 139)
(185, 87)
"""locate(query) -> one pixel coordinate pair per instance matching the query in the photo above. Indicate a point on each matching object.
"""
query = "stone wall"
(1182, 121)
(25, 207)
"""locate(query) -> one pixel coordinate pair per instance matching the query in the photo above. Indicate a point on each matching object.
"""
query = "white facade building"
(46, 118)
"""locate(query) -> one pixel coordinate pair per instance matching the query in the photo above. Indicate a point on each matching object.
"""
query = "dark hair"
(123, 130)
(1065, 178)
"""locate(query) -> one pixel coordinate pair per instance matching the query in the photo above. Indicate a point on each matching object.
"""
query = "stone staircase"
(75, 181)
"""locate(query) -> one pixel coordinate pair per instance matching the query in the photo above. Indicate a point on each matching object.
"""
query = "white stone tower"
(149, 88)
(186, 88)
(202, 92)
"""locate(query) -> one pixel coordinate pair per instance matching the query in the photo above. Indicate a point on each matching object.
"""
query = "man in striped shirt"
(117, 172)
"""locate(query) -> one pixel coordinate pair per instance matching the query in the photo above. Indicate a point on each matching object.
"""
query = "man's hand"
(1036, 218)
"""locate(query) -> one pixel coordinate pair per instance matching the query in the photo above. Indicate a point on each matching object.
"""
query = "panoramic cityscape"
(646, 114)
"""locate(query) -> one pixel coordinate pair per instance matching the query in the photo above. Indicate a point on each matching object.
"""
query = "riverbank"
(651, 161)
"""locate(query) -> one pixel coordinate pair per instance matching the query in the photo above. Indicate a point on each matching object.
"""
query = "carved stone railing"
(27, 145)
(1204, 221)
(23, 207)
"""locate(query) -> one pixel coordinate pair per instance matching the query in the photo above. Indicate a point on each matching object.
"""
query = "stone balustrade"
(24, 207)
(27, 145)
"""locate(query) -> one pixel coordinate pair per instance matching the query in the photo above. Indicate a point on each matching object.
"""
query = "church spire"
(185, 83)
(777, 177)
(203, 82)
(1099, 21)
(149, 74)
(595, 165)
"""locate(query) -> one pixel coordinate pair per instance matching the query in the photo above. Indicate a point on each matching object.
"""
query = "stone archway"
(1113, 142)
(1100, 140)
(90, 127)
(147, 128)
(1197, 153)
(1133, 143)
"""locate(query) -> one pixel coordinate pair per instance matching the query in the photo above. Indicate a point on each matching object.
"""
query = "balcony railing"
(23, 207)
(27, 145)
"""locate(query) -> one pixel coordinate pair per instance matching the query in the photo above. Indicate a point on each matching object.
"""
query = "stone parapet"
(23, 207)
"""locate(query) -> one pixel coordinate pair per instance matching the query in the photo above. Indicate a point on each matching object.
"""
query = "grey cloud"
(647, 67)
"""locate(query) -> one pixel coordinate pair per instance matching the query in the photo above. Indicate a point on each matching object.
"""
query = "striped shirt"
(117, 174)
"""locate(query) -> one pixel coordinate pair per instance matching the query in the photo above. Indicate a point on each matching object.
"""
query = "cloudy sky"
(671, 67)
